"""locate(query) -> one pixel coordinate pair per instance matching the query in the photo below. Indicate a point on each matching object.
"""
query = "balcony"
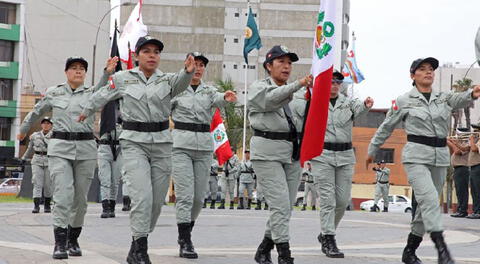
(9, 32)
(8, 108)
(9, 70)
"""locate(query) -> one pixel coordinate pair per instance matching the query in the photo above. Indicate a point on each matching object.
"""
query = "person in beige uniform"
(425, 117)
(145, 94)
(275, 149)
(474, 162)
(461, 173)
(72, 152)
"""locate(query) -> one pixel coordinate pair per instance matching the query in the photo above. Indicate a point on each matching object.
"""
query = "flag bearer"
(425, 116)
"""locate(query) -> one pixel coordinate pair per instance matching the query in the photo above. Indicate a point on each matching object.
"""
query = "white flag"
(132, 31)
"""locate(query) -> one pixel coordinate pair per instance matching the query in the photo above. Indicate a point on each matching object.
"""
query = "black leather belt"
(246, 172)
(273, 135)
(309, 182)
(213, 174)
(41, 152)
(108, 142)
(337, 146)
(73, 135)
(192, 127)
(145, 127)
(383, 182)
(429, 141)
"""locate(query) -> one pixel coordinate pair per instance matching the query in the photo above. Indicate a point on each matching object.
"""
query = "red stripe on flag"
(316, 124)
(216, 120)
(224, 152)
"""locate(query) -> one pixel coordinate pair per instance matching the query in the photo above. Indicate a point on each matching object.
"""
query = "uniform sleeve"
(358, 108)
(103, 81)
(102, 96)
(180, 82)
(219, 100)
(29, 152)
(459, 100)
(43, 106)
(265, 98)
(385, 130)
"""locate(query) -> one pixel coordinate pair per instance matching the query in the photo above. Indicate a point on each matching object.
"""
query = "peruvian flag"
(221, 145)
(132, 31)
(322, 70)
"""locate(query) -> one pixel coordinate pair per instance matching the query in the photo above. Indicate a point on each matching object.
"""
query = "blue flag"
(252, 38)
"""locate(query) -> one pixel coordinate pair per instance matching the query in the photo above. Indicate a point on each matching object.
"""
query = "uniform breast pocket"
(162, 93)
(134, 93)
(343, 117)
(418, 115)
(443, 114)
(185, 101)
(60, 104)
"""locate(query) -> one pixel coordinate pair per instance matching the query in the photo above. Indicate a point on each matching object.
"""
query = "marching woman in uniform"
(145, 93)
(425, 116)
(275, 150)
(72, 152)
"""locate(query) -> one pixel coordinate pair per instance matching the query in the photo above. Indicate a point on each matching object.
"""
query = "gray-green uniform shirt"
(383, 175)
(195, 107)
(38, 143)
(297, 105)
(232, 166)
(421, 118)
(246, 172)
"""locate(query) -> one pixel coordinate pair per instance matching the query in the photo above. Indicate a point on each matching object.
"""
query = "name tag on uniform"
(58, 93)
(135, 81)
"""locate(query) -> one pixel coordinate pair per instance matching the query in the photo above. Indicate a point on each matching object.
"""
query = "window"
(5, 124)
(385, 154)
(224, 66)
(235, 66)
(244, 66)
(235, 40)
(400, 199)
(6, 50)
(251, 67)
(237, 14)
(6, 89)
(7, 13)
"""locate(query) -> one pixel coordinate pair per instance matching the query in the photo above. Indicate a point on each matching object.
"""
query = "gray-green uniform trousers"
(333, 170)
(41, 179)
(192, 150)
(146, 155)
(382, 186)
(212, 188)
(310, 189)
(426, 166)
(277, 174)
(109, 169)
(71, 162)
(246, 179)
(227, 183)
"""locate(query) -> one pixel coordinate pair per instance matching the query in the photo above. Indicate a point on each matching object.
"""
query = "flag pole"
(245, 112)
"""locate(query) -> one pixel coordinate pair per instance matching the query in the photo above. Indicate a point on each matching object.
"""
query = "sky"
(390, 34)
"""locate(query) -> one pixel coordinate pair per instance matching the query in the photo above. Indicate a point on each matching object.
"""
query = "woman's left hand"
(230, 96)
(476, 91)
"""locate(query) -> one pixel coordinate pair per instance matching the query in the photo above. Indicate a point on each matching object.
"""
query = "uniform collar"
(416, 94)
(79, 89)
(340, 99)
(200, 87)
(142, 76)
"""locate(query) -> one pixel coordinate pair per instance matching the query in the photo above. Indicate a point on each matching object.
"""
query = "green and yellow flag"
(252, 37)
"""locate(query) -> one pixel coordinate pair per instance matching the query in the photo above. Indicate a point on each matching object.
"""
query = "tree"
(461, 86)
(233, 114)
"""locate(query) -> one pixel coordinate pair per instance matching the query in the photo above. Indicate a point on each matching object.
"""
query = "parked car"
(10, 186)
(397, 203)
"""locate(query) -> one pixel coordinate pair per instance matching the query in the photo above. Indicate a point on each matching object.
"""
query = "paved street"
(228, 237)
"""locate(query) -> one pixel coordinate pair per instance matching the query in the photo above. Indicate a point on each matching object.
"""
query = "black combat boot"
(249, 204)
(385, 209)
(138, 252)
(105, 209)
(73, 246)
(329, 246)
(240, 204)
(443, 254)
(222, 204)
(259, 205)
(112, 204)
(409, 256)
(231, 205)
(374, 208)
(184, 240)
(36, 206)
(304, 207)
(204, 203)
(314, 208)
(284, 256)
(266, 206)
(46, 205)
(60, 250)
(212, 204)
(262, 256)
(126, 203)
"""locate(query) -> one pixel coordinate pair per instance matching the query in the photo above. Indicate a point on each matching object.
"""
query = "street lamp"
(96, 37)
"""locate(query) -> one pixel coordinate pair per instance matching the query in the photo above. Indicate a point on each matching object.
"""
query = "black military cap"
(46, 119)
(72, 60)
(198, 56)
(338, 76)
(142, 41)
(416, 63)
(278, 51)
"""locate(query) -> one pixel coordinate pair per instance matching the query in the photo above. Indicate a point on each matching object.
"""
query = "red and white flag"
(132, 31)
(322, 71)
(221, 145)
